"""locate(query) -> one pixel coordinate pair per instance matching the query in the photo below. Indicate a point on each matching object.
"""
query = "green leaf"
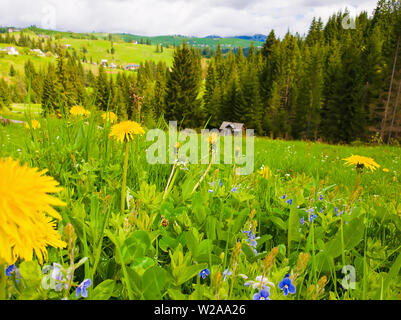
(31, 273)
(176, 295)
(353, 234)
(278, 222)
(154, 281)
(192, 243)
(104, 290)
(293, 226)
(141, 264)
(135, 246)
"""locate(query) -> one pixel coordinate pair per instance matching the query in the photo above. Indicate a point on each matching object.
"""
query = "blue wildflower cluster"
(251, 240)
(287, 286)
(204, 273)
(81, 289)
(289, 201)
(338, 213)
(262, 294)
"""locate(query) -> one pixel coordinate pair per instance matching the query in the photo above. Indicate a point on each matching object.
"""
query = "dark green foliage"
(183, 85)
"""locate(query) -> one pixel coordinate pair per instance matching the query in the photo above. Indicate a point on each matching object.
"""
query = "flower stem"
(203, 176)
(126, 277)
(3, 282)
(169, 181)
(124, 183)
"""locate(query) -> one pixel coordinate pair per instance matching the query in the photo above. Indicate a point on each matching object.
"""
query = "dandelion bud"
(237, 150)
(217, 281)
(268, 262)
(70, 235)
(237, 251)
(322, 282)
(302, 262)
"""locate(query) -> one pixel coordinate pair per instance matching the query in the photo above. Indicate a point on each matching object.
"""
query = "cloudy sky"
(186, 17)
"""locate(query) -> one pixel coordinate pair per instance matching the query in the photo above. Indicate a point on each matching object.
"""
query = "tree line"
(335, 83)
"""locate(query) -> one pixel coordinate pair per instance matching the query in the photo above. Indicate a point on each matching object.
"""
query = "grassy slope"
(125, 53)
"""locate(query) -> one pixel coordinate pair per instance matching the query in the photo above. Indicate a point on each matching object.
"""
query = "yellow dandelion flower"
(213, 138)
(34, 123)
(109, 116)
(24, 202)
(126, 130)
(79, 111)
(386, 170)
(360, 162)
(265, 172)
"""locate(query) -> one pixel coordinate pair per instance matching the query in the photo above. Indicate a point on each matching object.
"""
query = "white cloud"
(188, 17)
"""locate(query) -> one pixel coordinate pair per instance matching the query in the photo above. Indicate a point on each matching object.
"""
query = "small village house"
(231, 128)
(132, 67)
(12, 51)
(38, 52)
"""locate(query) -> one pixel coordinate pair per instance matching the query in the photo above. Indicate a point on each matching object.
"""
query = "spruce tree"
(183, 85)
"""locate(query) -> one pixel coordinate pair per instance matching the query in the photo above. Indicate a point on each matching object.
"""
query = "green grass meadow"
(237, 227)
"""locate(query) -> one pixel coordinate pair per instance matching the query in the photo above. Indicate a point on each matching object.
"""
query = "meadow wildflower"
(10, 270)
(24, 226)
(81, 290)
(109, 117)
(251, 240)
(35, 124)
(386, 170)
(262, 295)
(302, 221)
(213, 138)
(265, 172)
(79, 111)
(234, 189)
(204, 273)
(360, 162)
(126, 131)
(226, 273)
(260, 282)
(289, 202)
(287, 286)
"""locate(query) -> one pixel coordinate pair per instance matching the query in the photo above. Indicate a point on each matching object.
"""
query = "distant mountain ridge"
(255, 37)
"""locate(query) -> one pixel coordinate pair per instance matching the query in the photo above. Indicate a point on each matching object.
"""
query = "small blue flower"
(338, 213)
(204, 273)
(302, 221)
(221, 183)
(226, 274)
(81, 290)
(262, 295)
(321, 210)
(210, 191)
(10, 270)
(283, 197)
(312, 217)
(289, 202)
(234, 189)
(287, 286)
(320, 197)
